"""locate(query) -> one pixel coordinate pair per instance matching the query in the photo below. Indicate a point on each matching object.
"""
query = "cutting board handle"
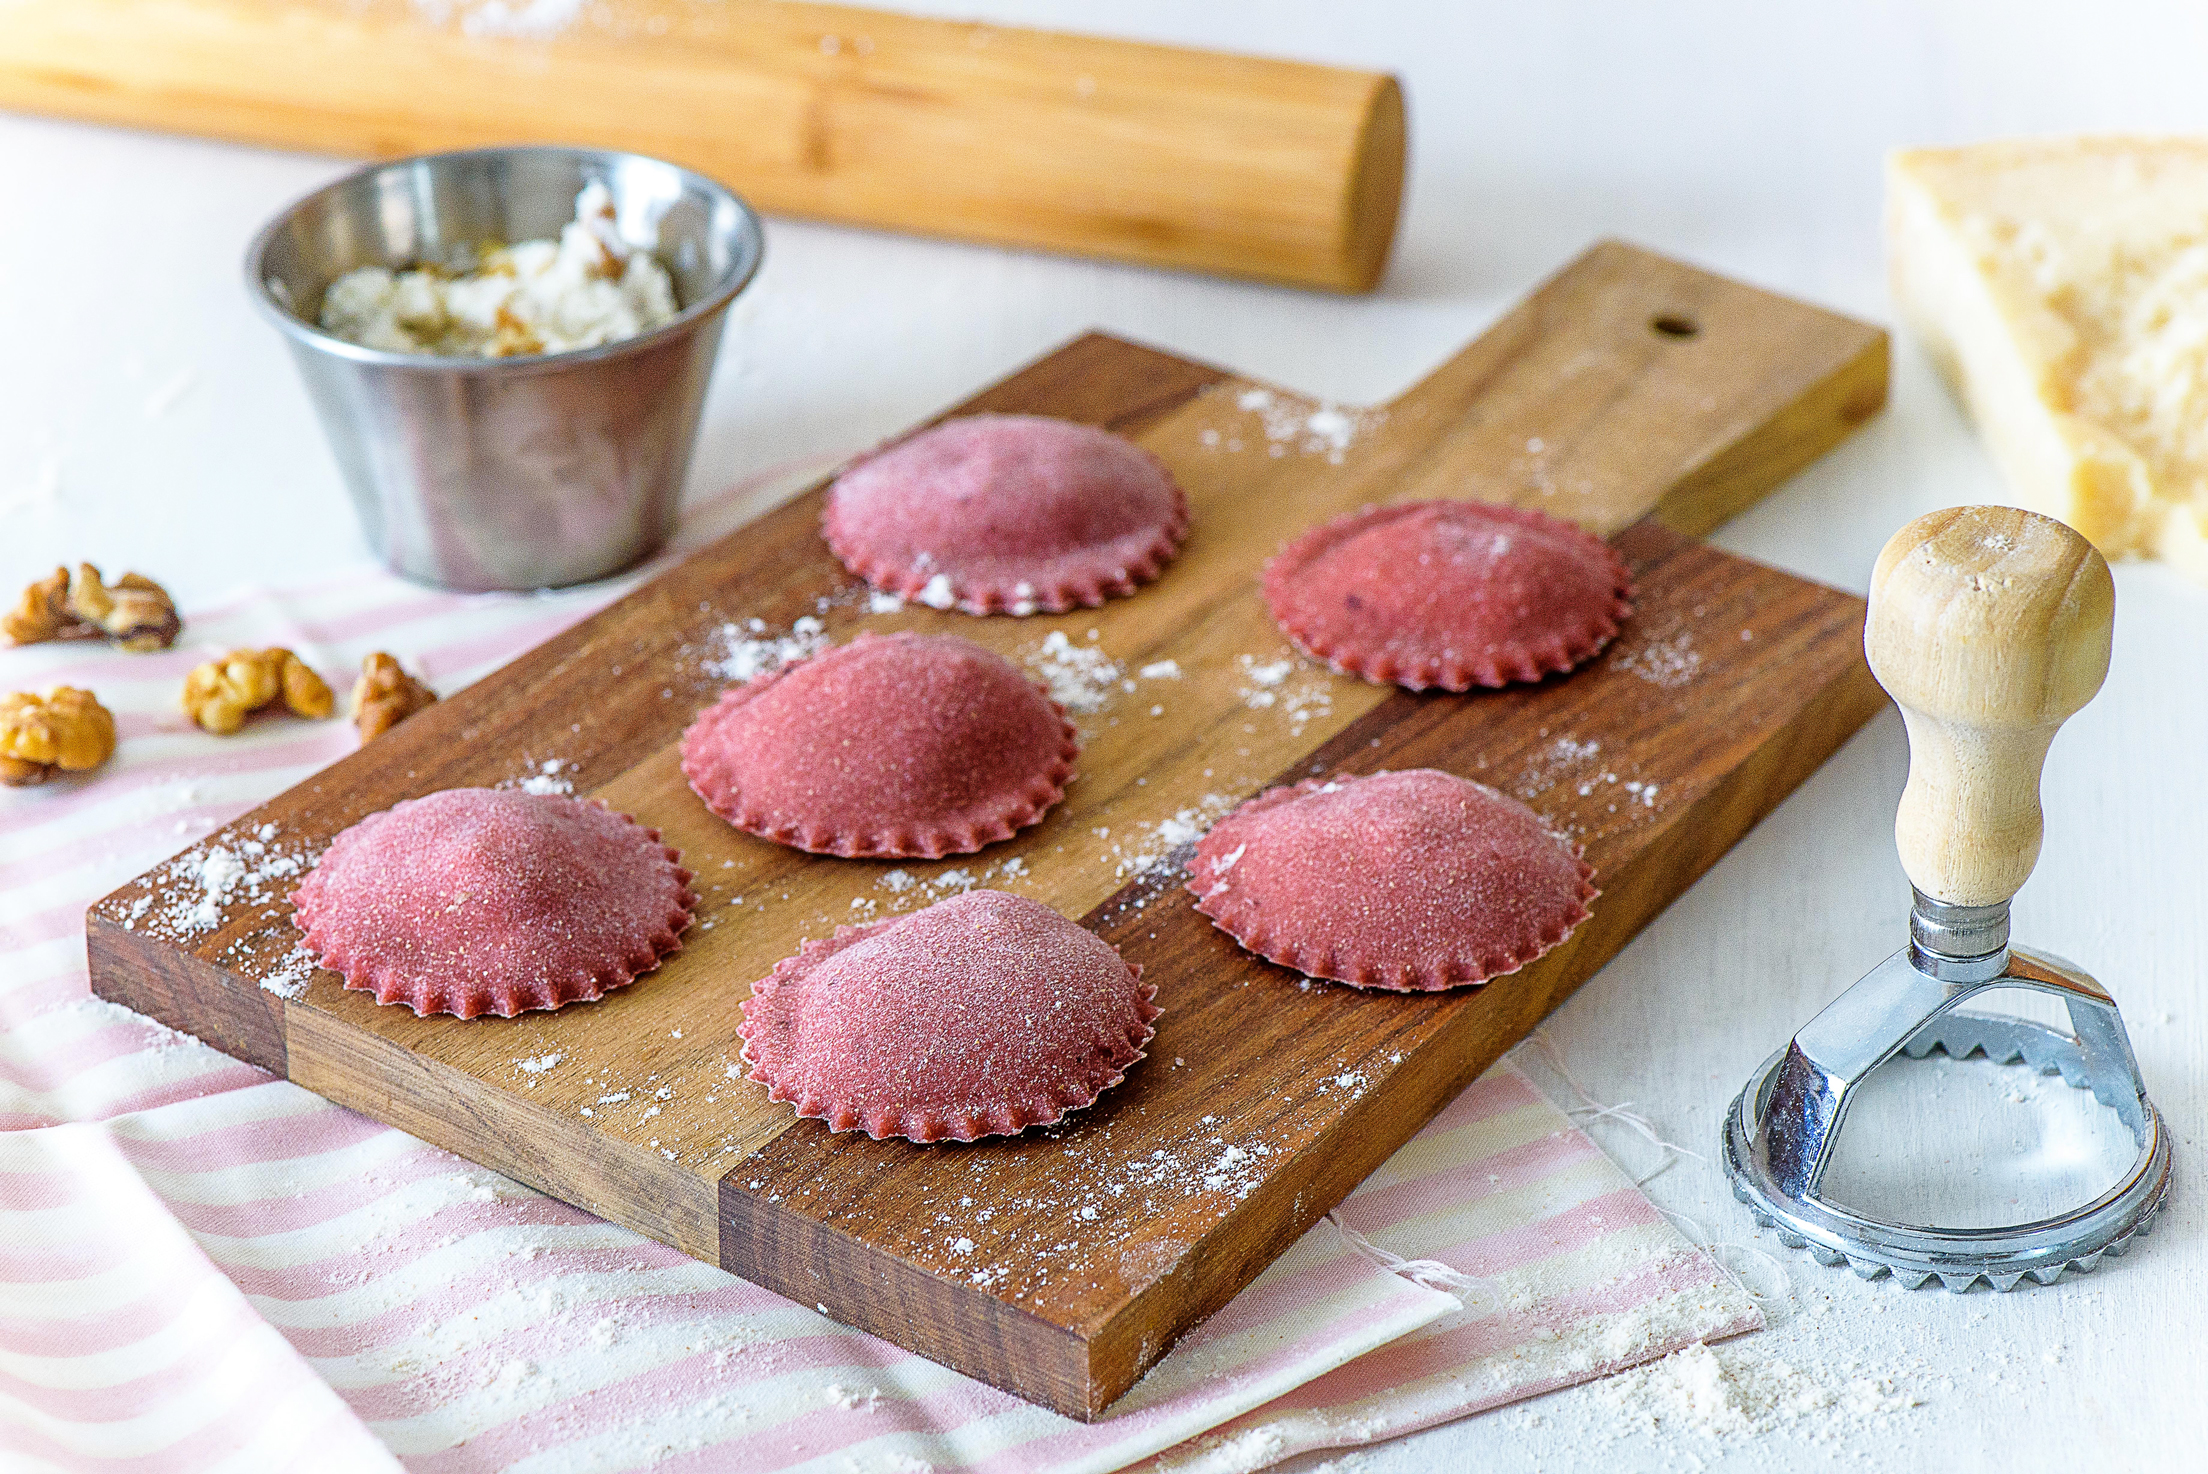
(1989, 627)
(1633, 385)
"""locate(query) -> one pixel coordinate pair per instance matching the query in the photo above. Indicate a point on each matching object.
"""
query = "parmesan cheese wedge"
(2061, 286)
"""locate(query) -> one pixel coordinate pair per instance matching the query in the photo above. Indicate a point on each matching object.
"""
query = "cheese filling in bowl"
(509, 416)
(588, 288)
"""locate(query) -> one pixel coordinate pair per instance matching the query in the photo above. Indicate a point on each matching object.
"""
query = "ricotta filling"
(586, 289)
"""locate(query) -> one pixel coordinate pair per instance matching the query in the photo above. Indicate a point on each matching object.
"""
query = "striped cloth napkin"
(202, 1268)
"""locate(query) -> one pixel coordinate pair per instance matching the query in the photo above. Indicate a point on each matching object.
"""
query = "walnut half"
(43, 614)
(385, 695)
(66, 730)
(134, 613)
(222, 693)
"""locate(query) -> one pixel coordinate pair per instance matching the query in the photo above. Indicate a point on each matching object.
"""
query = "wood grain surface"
(1631, 393)
(1990, 627)
(1163, 155)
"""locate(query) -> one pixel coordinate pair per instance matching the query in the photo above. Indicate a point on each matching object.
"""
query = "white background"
(148, 419)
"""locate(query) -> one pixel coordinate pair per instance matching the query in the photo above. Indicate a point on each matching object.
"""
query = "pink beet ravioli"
(980, 1016)
(1412, 881)
(1007, 514)
(895, 746)
(1449, 594)
(483, 900)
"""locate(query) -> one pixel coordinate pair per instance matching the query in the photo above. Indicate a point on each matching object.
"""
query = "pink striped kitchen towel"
(202, 1268)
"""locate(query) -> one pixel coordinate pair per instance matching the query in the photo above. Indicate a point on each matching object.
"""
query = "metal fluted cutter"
(1780, 1132)
(1989, 627)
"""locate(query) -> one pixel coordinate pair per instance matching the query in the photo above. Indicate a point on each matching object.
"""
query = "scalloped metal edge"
(2055, 1061)
(1912, 1278)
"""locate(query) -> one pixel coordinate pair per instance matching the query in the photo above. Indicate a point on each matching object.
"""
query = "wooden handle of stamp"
(1161, 155)
(1988, 626)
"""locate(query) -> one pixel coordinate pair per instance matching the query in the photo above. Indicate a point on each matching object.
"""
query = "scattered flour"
(547, 778)
(1561, 760)
(1841, 1372)
(1263, 677)
(750, 650)
(1292, 424)
(1735, 1393)
(1186, 827)
(288, 979)
(538, 1064)
(556, 1330)
(219, 874)
(194, 893)
(1080, 678)
(1670, 662)
(1266, 687)
(1156, 847)
(908, 890)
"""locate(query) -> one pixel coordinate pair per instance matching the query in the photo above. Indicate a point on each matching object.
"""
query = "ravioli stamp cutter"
(1989, 627)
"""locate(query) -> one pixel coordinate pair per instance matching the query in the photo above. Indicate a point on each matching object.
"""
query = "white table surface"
(148, 419)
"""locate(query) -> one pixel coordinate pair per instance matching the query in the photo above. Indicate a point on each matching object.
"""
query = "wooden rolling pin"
(1170, 157)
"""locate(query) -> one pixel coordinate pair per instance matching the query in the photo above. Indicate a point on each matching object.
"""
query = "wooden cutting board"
(1643, 398)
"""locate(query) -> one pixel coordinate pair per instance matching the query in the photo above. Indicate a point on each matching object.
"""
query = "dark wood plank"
(186, 993)
(1731, 739)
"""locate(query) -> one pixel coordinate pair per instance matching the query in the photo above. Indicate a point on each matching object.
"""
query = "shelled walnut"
(66, 730)
(385, 695)
(43, 614)
(222, 693)
(134, 613)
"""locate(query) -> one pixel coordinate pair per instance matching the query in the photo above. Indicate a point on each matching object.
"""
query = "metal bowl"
(523, 472)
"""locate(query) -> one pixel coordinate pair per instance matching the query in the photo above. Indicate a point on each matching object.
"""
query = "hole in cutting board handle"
(1673, 325)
